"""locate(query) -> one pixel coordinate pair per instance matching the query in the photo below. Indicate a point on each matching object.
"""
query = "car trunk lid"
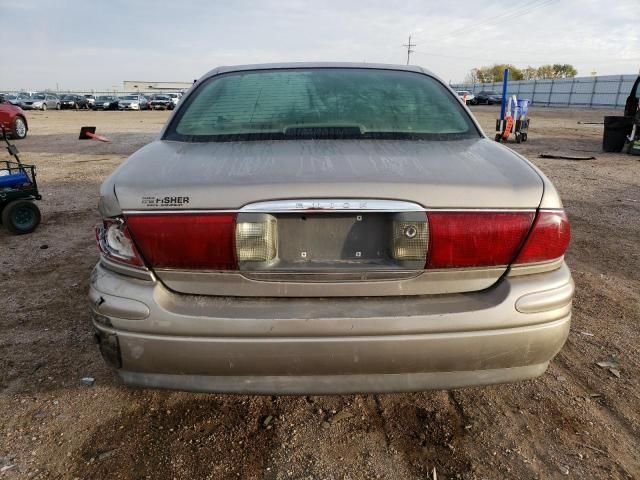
(343, 203)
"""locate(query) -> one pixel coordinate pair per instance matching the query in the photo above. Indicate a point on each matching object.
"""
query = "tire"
(524, 137)
(76, 106)
(44, 107)
(19, 128)
(21, 216)
(58, 107)
(518, 138)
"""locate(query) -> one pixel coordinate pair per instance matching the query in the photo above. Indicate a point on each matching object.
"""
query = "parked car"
(91, 99)
(469, 96)
(73, 101)
(487, 98)
(13, 119)
(105, 102)
(40, 101)
(175, 97)
(270, 242)
(161, 102)
(15, 98)
(133, 102)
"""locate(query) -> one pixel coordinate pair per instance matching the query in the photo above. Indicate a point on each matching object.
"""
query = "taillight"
(549, 238)
(476, 239)
(187, 241)
(439, 240)
(115, 242)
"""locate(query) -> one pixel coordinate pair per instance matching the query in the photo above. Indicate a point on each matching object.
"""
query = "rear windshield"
(320, 103)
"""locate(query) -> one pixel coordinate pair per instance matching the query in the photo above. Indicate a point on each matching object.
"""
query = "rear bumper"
(293, 346)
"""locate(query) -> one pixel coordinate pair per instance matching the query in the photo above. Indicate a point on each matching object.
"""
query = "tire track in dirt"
(428, 430)
(168, 438)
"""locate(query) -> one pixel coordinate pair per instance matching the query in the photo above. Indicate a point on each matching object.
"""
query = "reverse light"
(256, 238)
(116, 244)
(409, 238)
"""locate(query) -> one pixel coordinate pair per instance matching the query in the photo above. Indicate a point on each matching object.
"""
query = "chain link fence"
(597, 91)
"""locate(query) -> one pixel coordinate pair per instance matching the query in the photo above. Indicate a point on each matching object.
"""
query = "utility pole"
(409, 51)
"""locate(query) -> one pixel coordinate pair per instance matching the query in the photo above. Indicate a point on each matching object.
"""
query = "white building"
(146, 86)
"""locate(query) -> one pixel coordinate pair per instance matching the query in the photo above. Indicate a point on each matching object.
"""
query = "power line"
(483, 21)
(409, 51)
(515, 15)
(508, 15)
(489, 20)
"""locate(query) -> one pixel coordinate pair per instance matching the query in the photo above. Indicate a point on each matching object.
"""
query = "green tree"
(529, 73)
(483, 74)
(495, 73)
(545, 71)
(564, 70)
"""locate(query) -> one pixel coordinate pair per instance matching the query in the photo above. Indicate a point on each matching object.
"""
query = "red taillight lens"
(475, 239)
(184, 240)
(548, 239)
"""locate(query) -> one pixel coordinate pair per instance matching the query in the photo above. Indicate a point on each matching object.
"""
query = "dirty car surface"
(315, 228)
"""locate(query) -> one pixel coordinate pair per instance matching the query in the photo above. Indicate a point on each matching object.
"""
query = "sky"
(69, 45)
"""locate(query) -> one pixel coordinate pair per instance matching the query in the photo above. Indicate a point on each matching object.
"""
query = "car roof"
(290, 65)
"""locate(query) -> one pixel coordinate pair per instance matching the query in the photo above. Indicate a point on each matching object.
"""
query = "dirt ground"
(578, 420)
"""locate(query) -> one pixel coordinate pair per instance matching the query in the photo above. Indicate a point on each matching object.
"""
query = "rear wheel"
(21, 216)
(19, 128)
(44, 107)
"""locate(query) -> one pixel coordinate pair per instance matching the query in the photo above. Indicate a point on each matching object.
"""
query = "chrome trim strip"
(333, 205)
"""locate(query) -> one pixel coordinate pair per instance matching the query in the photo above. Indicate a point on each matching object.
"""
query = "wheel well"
(24, 119)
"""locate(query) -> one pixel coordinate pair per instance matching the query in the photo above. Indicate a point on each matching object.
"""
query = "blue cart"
(18, 193)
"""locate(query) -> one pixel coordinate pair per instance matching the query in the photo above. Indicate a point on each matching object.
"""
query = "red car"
(13, 119)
